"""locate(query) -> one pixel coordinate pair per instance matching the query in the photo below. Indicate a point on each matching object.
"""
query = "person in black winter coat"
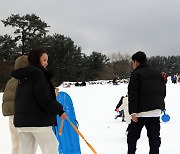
(36, 106)
(146, 94)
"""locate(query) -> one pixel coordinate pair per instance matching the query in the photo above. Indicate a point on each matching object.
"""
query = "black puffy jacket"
(35, 100)
(146, 90)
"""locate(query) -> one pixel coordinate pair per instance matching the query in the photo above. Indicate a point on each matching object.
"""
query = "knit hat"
(140, 57)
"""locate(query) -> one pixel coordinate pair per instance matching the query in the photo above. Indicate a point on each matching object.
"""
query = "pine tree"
(28, 29)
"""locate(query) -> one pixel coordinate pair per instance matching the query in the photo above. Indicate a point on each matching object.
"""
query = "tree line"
(66, 60)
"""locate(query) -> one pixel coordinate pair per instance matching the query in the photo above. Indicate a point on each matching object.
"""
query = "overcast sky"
(107, 26)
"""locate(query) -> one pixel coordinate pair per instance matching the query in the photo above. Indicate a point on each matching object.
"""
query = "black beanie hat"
(140, 57)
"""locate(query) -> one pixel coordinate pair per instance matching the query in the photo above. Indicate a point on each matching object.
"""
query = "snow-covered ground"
(94, 106)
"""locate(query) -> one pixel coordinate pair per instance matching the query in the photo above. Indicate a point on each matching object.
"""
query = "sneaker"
(116, 117)
(123, 120)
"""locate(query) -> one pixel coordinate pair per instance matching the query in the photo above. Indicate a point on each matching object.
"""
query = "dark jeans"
(152, 125)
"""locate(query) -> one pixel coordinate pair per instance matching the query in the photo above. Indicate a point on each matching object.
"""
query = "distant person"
(123, 106)
(120, 111)
(146, 94)
(36, 106)
(178, 77)
(174, 79)
(8, 102)
(77, 84)
(164, 76)
(68, 85)
(115, 81)
(83, 83)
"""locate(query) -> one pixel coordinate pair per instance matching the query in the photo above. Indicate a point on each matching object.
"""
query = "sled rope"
(61, 127)
(80, 134)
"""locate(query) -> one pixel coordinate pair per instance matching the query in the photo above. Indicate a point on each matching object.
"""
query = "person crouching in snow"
(121, 112)
(123, 106)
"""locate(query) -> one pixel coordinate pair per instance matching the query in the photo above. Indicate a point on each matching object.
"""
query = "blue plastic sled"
(165, 117)
(69, 139)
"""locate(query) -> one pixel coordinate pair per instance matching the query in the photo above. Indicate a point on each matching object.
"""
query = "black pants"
(152, 125)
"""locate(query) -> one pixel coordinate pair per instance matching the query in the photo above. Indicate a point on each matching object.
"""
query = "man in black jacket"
(146, 93)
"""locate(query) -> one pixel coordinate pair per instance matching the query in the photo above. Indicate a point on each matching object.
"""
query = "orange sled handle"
(80, 134)
(61, 127)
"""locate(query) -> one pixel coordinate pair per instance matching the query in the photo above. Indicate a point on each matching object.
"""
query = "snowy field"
(94, 106)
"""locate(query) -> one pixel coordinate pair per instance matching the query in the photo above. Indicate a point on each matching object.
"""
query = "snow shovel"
(165, 117)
